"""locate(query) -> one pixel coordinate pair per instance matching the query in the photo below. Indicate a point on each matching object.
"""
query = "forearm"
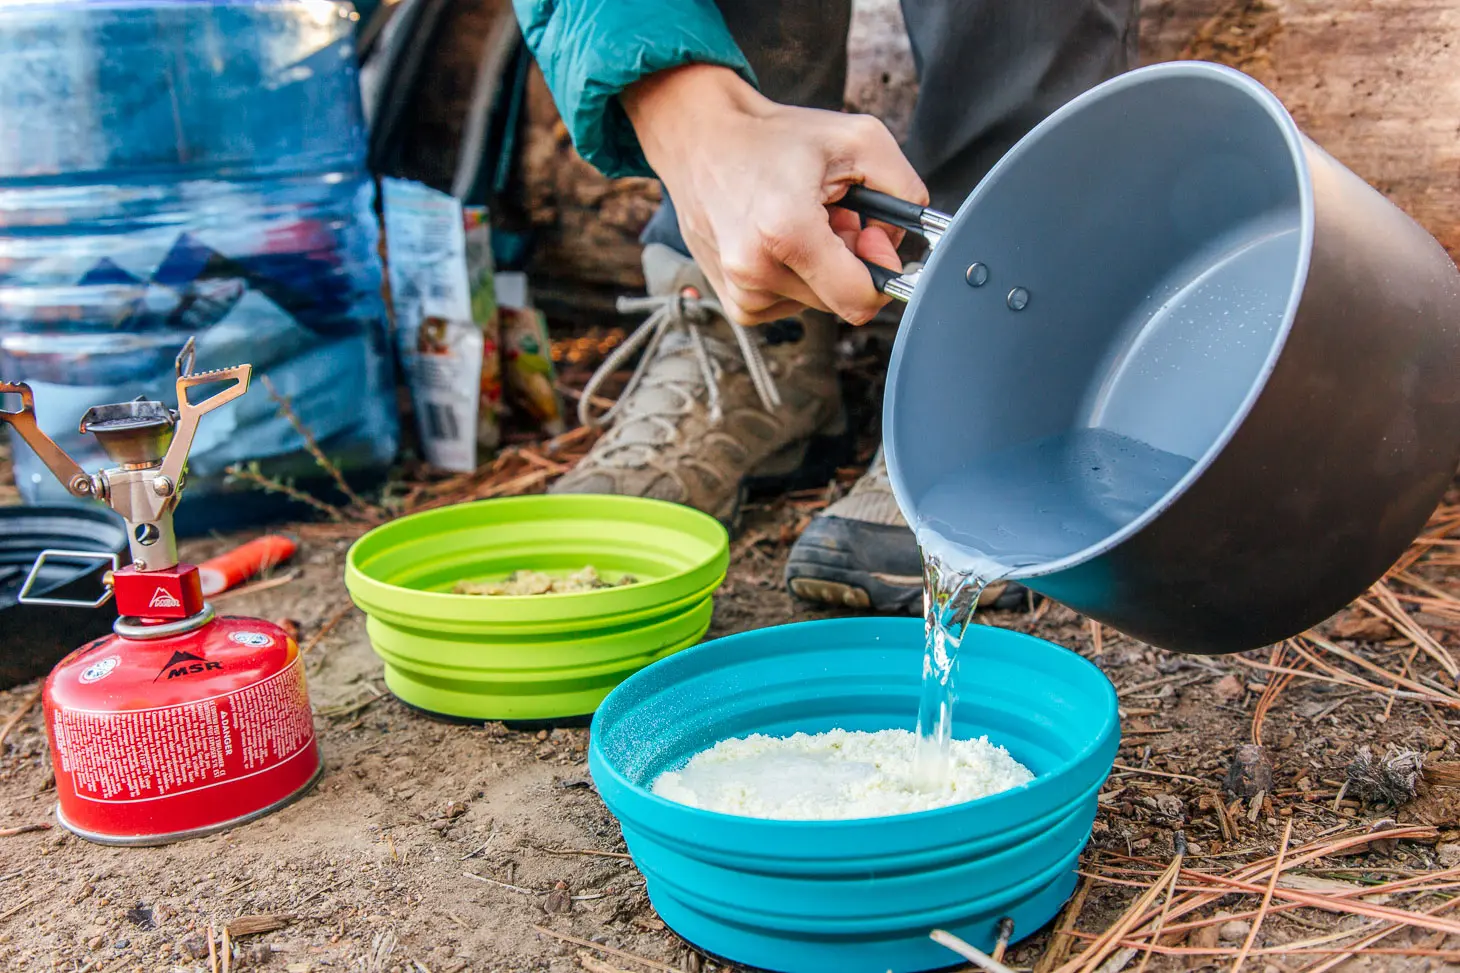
(668, 107)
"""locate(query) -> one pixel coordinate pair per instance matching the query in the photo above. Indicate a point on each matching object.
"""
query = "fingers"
(815, 253)
(752, 283)
(766, 229)
(752, 293)
(774, 312)
(875, 245)
(867, 153)
(811, 258)
(848, 225)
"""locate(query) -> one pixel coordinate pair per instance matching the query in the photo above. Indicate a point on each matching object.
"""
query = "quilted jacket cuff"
(591, 50)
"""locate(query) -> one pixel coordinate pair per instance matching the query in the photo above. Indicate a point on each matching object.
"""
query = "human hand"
(755, 184)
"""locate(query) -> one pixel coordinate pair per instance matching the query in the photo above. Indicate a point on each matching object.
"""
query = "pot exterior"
(1345, 453)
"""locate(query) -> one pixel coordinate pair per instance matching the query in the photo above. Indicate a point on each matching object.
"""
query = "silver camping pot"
(1173, 365)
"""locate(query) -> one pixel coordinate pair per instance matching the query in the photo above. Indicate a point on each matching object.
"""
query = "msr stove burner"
(180, 723)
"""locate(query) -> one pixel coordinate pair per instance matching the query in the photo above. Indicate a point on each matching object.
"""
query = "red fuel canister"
(157, 739)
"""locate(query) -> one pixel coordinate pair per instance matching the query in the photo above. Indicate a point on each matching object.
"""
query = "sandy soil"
(444, 847)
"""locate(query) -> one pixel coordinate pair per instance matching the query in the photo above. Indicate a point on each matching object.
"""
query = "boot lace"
(686, 313)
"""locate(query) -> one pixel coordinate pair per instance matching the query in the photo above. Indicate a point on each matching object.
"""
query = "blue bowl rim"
(1110, 726)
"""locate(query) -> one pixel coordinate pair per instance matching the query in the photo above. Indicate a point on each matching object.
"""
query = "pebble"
(1168, 805)
(1448, 854)
(195, 946)
(1234, 931)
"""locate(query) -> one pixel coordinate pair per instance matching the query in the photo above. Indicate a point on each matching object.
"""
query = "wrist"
(669, 108)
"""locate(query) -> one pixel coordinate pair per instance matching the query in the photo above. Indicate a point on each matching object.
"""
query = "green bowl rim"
(367, 589)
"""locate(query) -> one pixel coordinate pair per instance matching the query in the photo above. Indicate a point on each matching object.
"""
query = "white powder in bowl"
(833, 775)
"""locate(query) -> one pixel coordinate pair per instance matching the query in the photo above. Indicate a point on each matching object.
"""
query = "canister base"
(142, 841)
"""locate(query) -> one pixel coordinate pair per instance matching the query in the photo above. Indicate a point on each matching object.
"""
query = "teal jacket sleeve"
(590, 50)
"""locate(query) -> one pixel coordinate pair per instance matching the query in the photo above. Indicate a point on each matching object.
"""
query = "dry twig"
(975, 956)
(652, 964)
(286, 409)
(589, 852)
(24, 829)
(1064, 938)
(327, 627)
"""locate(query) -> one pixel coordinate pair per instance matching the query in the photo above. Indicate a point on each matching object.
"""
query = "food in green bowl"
(542, 583)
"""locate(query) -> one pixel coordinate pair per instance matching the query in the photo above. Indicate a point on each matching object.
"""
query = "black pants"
(988, 72)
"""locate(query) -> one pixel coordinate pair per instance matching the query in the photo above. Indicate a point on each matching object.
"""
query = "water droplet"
(977, 274)
(1018, 299)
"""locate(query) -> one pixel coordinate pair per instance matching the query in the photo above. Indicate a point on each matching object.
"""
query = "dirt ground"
(449, 848)
(445, 848)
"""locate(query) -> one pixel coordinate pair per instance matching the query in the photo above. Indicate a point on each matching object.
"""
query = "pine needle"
(1277, 870)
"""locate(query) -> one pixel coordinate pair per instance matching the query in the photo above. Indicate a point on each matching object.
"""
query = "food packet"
(531, 379)
(447, 326)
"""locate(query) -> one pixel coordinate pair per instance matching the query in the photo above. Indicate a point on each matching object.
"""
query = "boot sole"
(811, 579)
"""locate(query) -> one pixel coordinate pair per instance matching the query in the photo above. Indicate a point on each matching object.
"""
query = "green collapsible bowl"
(533, 657)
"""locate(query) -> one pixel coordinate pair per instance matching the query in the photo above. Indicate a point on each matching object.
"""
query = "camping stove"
(181, 723)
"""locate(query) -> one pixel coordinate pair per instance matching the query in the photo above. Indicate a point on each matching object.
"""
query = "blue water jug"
(172, 168)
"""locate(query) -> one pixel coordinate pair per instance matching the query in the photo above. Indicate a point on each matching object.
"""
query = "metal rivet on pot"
(1018, 299)
(977, 275)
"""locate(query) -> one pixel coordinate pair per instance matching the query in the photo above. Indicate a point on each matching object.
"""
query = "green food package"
(531, 380)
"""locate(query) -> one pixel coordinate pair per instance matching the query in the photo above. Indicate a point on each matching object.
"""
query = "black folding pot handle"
(927, 223)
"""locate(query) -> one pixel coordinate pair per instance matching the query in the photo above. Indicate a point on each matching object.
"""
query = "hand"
(755, 183)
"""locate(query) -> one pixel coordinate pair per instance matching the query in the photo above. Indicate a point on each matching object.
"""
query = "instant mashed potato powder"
(835, 775)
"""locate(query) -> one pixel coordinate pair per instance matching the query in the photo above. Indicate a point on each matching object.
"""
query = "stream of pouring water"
(950, 598)
(1034, 503)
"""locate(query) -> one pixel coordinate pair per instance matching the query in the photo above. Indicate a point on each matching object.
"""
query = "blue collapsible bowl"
(857, 895)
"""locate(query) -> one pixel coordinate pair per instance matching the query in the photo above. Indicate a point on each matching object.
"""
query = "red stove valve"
(175, 592)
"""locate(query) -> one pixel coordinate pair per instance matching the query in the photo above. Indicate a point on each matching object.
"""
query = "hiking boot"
(712, 409)
(860, 553)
